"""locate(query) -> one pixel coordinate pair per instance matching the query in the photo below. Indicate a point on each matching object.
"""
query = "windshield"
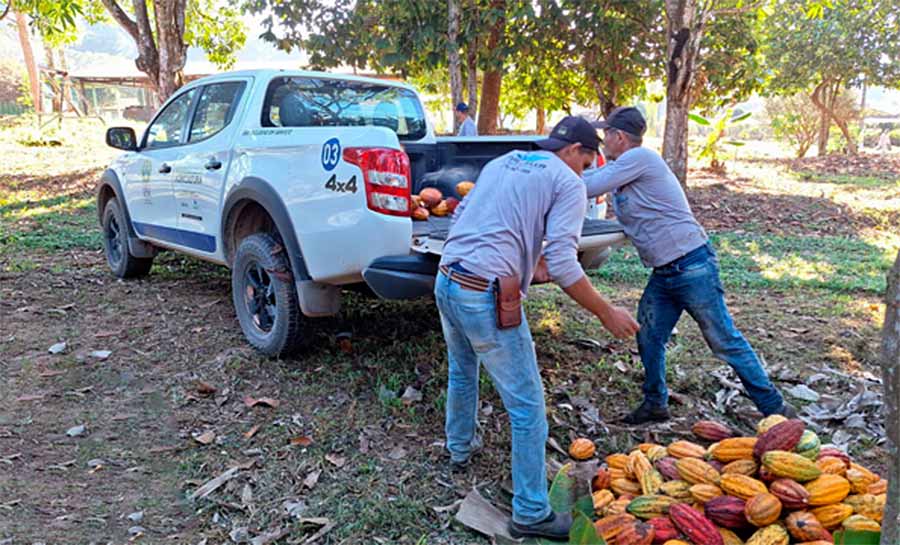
(316, 102)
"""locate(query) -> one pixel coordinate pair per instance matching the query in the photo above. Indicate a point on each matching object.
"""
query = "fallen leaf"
(137, 516)
(265, 401)
(205, 389)
(804, 393)
(206, 437)
(75, 431)
(621, 366)
(294, 508)
(58, 348)
(302, 441)
(211, 485)
(397, 453)
(247, 495)
(270, 537)
(105, 334)
(100, 354)
(30, 397)
(48, 374)
(311, 479)
(239, 535)
(337, 461)
(410, 396)
(252, 431)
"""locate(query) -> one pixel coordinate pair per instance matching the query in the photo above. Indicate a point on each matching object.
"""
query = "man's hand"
(541, 273)
(619, 322)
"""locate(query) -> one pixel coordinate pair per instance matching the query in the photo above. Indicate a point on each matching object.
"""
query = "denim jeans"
(691, 283)
(470, 329)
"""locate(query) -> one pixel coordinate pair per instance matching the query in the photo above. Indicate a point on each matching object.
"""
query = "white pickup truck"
(300, 182)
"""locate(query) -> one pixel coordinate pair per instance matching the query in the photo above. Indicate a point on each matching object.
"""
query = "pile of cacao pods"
(431, 202)
(776, 488)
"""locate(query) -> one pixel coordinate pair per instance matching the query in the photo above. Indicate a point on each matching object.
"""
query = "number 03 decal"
(331, 154)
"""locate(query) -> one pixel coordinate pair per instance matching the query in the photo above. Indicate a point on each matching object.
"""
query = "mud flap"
(139, 248)
(318, 300)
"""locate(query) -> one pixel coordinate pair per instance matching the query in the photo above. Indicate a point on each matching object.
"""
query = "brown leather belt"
(468, 281)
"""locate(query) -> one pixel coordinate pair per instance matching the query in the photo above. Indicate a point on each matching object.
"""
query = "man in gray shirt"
(652, 207)
(521, 200)
(466, 124)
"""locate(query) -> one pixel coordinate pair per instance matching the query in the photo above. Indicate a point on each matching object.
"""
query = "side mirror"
(121, 138)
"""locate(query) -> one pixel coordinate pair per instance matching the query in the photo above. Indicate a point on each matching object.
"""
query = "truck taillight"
(386, 173)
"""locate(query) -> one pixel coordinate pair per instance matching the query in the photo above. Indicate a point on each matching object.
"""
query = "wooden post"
(890, 368)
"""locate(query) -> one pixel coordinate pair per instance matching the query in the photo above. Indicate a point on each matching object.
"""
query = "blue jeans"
(691, 283)
(470, 329)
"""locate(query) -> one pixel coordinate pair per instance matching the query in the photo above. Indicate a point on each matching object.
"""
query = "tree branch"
(122, 18)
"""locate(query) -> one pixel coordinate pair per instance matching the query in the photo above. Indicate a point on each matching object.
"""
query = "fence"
(12, 108)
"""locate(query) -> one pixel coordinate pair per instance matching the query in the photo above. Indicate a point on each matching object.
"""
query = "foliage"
(794, 119)
(719, 126)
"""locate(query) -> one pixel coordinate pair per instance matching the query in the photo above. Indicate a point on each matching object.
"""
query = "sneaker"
(647, 413)
(556, 526)
(463, 465)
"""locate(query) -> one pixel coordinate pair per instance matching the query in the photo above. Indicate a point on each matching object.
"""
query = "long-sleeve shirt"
(519, 201)
(650, 204)
(468, 128)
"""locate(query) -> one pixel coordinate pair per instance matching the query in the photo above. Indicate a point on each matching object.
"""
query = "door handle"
(165, 169)
(213, 164)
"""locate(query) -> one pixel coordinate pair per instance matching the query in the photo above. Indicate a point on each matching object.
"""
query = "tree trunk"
(823, 97)
(170, 44)
(472, 77)
(684, 30)
(56, 101)
(456, 90)
(541, 124)
(824, 126)
(845, 130)
(862, 115)
(493, 77)
(28, 54)
(890, 362)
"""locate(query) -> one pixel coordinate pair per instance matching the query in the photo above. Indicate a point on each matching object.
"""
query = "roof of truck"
(271, 73)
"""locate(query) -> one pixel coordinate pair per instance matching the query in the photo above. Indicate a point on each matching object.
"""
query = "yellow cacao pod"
(742, 467)
(827, 489)
(650, 482)
(741, 486)
(770, 535)
(686, 449)
(696, 471)
(832, 465)
(638, 464)
(602, 499)
(860, 523)
(729, 537)
(831, 516)
(768, 422)
(625, 486)
(680, 490)
(734, 448)
(702, 493)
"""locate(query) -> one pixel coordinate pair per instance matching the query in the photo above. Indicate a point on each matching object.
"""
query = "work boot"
(787, 410)
(475, 448)
(647, 413)
(556, 526)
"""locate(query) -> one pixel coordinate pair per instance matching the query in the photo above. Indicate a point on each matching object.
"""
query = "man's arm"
(616, 320)
(614, 175)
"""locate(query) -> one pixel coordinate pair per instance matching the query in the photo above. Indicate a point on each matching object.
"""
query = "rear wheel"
(115, 245)
(265, 300)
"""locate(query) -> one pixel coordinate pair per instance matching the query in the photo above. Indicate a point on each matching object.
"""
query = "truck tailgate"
(429, 236)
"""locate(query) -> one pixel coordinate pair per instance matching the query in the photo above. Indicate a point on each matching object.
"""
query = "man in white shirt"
(466, 124)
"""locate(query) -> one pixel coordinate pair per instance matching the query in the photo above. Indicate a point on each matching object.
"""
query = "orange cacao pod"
(762, 510)
(804, 526)
(696, 471)
(832, 515)
(832, 465)
(636, 533)
(686, 449)
(612, 525)
(601, 480)
(735, 448)
(582, 449)
(602, 499)
(702, 493)
(741, 486)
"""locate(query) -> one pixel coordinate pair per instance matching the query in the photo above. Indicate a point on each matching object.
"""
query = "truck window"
(167, 127)
(318, 102)
(215, 108)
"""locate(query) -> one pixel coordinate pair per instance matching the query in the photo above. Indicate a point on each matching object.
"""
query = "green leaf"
(740, 117)
(852, 537)
(585, 505)
(736, 143)
(583, 532)
(700, 120)
(562, 491)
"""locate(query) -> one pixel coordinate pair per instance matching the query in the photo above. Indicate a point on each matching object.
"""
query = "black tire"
(265, 300)
(115, 245)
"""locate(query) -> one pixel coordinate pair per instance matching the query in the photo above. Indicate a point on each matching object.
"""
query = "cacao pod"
(790, 465)
(696, 471)
(782, 436)
(420, 214)
(656, 453)
(762, 510)
(741, 486)
(651, 506)
(663, 529)
(625, 486)
(431, 197)
(742, 467)
(717, 465)
(463, 188)
(680, 490)
(818, 542)
(582, 449)
(666, 466)
(676, 542)
(809, 445)
(827, 489)
(729, 537)
(638, 464)
(766, 476)
(651, 481)
(727, 512)
(636, 533)
(686, 449)
(735, 448)
(768, 422)
(867, 505)
(878, 488)
(602, 499)
(612, 525)
(831, 465)
(601, 480)
(711, 431)
(833, 515)
(770, 535)
(791, 493)
(702, 493)
(442, 209)
(617, 461)
(452, 203)
(860, 523)
(860, 481)
(835, 453)
(616, 473)
(694, 525)
(804, 526)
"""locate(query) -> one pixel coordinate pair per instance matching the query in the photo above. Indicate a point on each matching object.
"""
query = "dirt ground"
(155, 392)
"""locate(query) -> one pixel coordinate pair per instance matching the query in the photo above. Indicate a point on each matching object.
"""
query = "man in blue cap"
(652, 207)
(466, 124)
(522, 201)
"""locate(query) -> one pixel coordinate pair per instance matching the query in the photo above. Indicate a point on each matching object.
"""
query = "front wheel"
(115, 245)
(265, 300)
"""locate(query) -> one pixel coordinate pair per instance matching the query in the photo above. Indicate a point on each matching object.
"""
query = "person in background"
(651, 205)
(521, 200)
(466, 124)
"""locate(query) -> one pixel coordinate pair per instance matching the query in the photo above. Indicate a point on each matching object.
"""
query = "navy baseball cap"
(462, 107)
(626, 119)
(571, 130)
